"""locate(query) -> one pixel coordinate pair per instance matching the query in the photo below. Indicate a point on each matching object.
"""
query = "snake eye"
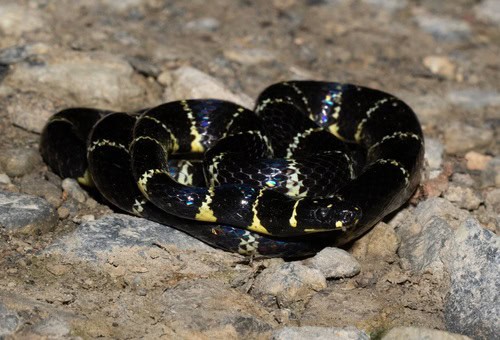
(350, 217)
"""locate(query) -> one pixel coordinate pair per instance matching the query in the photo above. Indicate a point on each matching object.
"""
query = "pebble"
(492, 200)
(122, 5)
(9, 321)
(17, 162)
(476, 160)
(26, 214)
(488, 10)
(419, 333)
(94, 239)
(490, 177)
(206, 24)
(380, 243)
(390, 5)
(473, 98)
(74, 190)
(443, 28)
(289, 283)
(34, 185)
(319, 333)
(4, 179)
(334, 263)
(16, 19)
(434, 154)
(63, 212)
(460, 137)
(95, 79)
(441, 66)
(463, 179)
(250, 56)
(463, 197)
(189, 82)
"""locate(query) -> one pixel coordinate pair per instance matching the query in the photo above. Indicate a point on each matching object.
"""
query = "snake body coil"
(314, 164)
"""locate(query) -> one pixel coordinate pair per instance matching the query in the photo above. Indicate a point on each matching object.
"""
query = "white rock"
(15, 19)
(190, 83)
(334, 263)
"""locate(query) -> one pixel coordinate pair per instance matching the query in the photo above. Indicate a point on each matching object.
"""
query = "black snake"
(315, 164)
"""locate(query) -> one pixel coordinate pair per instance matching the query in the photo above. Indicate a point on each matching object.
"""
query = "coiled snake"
(315, 164)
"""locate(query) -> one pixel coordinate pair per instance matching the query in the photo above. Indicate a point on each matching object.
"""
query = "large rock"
(85, 79)
(99, 239)
(26, 214)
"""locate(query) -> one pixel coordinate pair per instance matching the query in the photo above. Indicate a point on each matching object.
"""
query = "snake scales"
(315, 164)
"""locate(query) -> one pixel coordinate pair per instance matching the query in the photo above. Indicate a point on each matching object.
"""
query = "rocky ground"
(71, 267)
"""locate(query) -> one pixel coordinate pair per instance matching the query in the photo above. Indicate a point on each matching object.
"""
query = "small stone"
(441, 66)
(87, 218)
(492, 199)
(19, 161)
(414, 333)
(206, 24)
(284, 4)
(188, 82)
(390, 5)
(25, 213)
(488, 10)
(122, 5)
(16, 19)
(490, 177)
(463, 179)
(144, 66)
(34, 185)
(379, 243)
(434, 153)
(289, 282)
(250, 56)
(474, 99)
(63, 212)
(9, 321)
(460, 137)
(74, 190)
(476, 160)
(334, 263)
(464, 197)
(444, 28)
(4, 179)
(319, 333)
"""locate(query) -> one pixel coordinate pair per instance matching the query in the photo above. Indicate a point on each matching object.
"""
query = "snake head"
(325, 214)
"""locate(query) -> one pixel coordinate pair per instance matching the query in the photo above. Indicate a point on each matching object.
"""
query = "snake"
(314, 164)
